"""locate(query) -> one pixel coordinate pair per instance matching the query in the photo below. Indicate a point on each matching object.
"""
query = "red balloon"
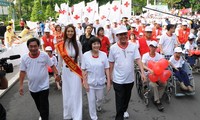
(150, 64)
(157, 69)
(153, 77)
(192, 52)
(163, 63)
(196, 52)
(50, 70)
(165, 76)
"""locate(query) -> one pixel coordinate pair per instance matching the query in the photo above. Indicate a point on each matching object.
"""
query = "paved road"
(23, 108)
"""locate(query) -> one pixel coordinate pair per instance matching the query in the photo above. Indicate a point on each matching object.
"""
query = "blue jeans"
(182, 76)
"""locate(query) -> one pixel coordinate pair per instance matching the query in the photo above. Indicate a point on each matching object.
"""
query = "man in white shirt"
(34, 66)
(121, 57)
(108, 31)
(158, 87)
(168, 42)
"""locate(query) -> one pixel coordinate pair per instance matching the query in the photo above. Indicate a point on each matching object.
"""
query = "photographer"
(3, 85)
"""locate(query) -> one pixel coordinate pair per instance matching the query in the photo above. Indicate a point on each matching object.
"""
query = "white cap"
(133, 25)
(191, 36)
(184, 23)
(107, 22)
(122, 29)
(137, 17)
(143, 22)
(158, 22)
(46, 29)
(148, 28)
(178, 49)
(141, 33)
(153, 43)
(114, 21)
(48, 48)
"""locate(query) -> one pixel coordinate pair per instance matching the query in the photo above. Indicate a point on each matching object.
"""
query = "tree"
(49, 12)
(195, 5)
(170, 2)
(37, 13)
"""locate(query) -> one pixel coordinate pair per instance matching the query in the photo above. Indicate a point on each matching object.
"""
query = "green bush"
(17, 28)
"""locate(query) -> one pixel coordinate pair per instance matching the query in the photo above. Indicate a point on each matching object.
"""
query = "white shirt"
(123, 71)
(95, 68)
(146, 58)
(54, 60)
(79, 32)
(36, 71)
(189, 46)
(109, 33)
(176, 63)
(168, 43)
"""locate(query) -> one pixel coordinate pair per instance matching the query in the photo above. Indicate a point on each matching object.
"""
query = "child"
(177, 62)
(48, 49)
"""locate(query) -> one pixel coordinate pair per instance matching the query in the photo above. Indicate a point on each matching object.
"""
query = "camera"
(6, 67)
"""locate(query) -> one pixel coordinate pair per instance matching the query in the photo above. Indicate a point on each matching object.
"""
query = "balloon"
(150, 64)
(196, 52)
(192, 52)
(50, 70)
(163, 63)
(153, 77)
(165, 76)
(157, 69)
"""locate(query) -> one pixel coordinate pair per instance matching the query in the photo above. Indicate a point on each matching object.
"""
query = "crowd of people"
(97, 56)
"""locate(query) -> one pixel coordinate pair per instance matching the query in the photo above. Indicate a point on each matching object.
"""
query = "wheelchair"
(175, 83)
(144, 90)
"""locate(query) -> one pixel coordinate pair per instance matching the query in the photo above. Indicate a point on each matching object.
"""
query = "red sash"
(68, 60)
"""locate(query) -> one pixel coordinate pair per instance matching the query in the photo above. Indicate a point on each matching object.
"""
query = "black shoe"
(159, 106)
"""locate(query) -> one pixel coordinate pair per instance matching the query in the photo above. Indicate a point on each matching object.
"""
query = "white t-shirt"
(189, 46)
(36, 71)
(109, 33)
(95, 68)
(54, 60)
(146, 57)
(168, 43)
(177, 63)
(123, 71)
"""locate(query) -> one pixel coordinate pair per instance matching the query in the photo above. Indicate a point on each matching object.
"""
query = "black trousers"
(122, 98)
(2, 113)
(42, 103)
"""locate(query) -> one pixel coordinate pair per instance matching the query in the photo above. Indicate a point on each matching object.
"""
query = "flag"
(57, 8)
(115, 11)
(90, 10)
(126, 8)
(78, 12)
(104, 12)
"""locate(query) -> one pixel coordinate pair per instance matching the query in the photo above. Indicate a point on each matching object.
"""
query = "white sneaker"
(40, 118)
(99, 108)
(126, 115)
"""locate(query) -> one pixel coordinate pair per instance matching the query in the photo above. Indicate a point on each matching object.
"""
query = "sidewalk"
(12, 78)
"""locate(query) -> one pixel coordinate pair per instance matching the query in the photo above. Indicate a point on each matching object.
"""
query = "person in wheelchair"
(190, 45)
(176, 61)
(158, 87)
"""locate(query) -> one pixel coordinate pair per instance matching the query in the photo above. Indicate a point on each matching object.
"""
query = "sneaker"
(126, 115)
(40, 118)
(99, 108)
(190, 89)
(159, 106)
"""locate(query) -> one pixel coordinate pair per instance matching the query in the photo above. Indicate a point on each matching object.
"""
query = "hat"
(141, 33)
(48, 48)
(133, 25)
(8, 27)
(107, 22)
(114, 21)
(137, 17)
(153, 43)
(10, 22)
(122, 29)
(148, 29)
(46, 29)
(178, 49)
(158, 22)
(143, 22)
(191, 36)
(184, 23)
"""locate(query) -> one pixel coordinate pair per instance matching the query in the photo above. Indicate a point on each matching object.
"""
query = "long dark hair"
(99, 29)
(72, 40)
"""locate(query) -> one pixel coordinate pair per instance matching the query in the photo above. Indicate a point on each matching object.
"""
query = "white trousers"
(95, 97)
(72, 95)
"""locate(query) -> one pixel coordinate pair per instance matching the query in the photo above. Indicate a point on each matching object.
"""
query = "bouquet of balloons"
(159, 70)
(194, 52)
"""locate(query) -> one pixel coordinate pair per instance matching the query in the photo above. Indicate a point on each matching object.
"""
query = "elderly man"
(158, 87)
(121, 57)
(34, 66)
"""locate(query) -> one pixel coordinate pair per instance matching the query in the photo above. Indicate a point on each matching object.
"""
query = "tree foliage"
(37, 13)
(49, 12)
